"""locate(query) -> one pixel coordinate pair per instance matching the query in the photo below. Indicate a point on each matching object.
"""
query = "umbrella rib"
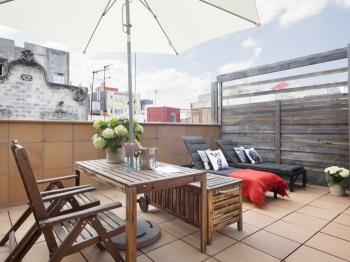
(147, 6)
(232, 13)
(105, 11)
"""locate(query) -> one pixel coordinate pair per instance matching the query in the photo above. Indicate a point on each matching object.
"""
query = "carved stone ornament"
(26, 77)
(27, 57)
(79, 95)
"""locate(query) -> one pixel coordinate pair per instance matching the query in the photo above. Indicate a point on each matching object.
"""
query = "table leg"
(240, 221)
(131, 224)
(204, 214)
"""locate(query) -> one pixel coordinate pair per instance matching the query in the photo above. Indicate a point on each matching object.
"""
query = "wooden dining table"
(133, 182)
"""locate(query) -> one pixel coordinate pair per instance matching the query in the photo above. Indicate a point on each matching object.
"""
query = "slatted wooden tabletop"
(215, 181)
(119, 174)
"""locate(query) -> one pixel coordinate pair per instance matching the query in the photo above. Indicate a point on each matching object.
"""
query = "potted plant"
(337, 178)
(111, 136)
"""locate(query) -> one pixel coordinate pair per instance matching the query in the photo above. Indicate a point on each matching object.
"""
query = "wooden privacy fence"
(311, 130)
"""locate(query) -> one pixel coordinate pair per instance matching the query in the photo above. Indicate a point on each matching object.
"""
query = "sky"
(290, 28)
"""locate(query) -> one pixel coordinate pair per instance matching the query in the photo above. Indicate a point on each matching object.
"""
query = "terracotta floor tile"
(156, 215)
(256, 219)
(305, 195)
(337, 230)
(219, 242)
(94, 254)
(165, 238)
(177, 251)
(331, 245)
(347, 211)
(271, 244)
(178, 228)
(242, 253)
(306, 221)
(211, 259)
(4, 227)
(4, 216)
(39, 252)
(318, 212)
(247, 205)
(291, 231)
(278, 208)
(308, 254)
(233, 232)
(343, 219)
(4, 249)
(329, 202)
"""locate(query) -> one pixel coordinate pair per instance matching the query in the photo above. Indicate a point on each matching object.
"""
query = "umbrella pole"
(131, 102)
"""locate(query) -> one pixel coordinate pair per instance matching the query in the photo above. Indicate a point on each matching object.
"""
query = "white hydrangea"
(108, 133)
(98, 123)
(121, 131)
(344, 173)
(99, 142)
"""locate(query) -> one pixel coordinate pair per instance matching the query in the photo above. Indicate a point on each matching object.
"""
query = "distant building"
(200, 112)
(163, 114)
(109, 101)
(55, 62)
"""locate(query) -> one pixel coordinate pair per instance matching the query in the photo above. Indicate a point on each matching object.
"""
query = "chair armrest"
(56, 179)
(67, 194)
(62, 190)
(80, 214)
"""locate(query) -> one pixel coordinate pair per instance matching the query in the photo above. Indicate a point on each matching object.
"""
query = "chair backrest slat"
(29, 181)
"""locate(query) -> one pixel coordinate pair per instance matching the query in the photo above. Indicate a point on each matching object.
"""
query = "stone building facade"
(26, 92)
(55, 62)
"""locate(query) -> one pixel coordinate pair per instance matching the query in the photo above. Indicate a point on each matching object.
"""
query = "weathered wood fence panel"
(293, 131)
(311, 130)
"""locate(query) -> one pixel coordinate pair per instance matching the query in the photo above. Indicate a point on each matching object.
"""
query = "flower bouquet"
(112, 134)
(337, 179)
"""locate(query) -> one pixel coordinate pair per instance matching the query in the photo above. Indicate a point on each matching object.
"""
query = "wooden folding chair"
(75, 230)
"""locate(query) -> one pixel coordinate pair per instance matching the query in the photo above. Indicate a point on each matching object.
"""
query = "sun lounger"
(287, 170)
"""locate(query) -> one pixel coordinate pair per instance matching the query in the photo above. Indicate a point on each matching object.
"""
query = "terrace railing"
(293, 111)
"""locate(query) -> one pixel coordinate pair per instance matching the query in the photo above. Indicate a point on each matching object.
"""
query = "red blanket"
(256, 183)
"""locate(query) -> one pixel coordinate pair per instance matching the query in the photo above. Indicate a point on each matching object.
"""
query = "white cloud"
(233, 67)
(175, 88)
(249, 42)
(241, 65)
(289, 12)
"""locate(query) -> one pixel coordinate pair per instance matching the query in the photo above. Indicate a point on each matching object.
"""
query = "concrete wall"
(53, 146)
(37, 98)
(55, 62)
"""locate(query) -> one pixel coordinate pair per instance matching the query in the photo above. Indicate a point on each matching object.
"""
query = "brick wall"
(53, 146)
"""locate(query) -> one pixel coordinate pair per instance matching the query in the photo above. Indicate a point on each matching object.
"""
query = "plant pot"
(337, 189)
(117, 157)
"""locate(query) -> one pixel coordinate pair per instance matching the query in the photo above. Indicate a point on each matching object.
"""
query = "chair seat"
(285, 169)
(85, 200)
(110, 221)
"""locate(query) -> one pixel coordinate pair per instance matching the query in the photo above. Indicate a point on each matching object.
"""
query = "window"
(2, 67)
(172, 117)
(58, 78)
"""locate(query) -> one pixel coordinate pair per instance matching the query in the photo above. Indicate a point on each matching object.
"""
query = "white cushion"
(217, 159)
(205, 159)
(253, 156)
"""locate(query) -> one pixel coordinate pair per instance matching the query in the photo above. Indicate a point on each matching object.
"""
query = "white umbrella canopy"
(157, 26)
(187, 22)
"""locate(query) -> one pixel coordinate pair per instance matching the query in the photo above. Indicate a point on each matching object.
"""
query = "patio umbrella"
(157, 26)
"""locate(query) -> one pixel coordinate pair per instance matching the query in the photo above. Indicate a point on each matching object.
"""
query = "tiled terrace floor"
(310, 225)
